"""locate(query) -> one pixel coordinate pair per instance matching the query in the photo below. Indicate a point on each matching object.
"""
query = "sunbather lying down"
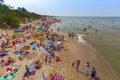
(56, 77)
(3, 53)
(26, 47)
(7, 62)
(37, 64)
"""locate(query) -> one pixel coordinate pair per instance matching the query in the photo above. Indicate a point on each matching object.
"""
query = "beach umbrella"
(42, 76)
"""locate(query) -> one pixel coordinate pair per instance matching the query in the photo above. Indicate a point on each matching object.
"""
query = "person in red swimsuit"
(77, 63)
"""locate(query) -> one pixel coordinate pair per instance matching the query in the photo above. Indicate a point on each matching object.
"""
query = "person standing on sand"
(77, 64)
(27, 71)
(96, 31)
(87, 66)
(58, 29)
(93, 74)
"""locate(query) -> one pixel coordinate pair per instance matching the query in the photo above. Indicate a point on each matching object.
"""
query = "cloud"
(22, 3)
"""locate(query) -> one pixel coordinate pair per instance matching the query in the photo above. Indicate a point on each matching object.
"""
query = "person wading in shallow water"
(96, 31)
(58, 29)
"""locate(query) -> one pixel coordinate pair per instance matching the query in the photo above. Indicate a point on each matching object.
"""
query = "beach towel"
(16, 52)
(4, 54)
(57, 59)
(38, 48)
(34, 45)
(32, 73)
(6, 63)
(49, 42)
(59, 77)
(18, 44)
(32, 67)
(10, 77)
(39, 29)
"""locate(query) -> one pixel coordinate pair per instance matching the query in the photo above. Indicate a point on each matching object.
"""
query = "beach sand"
(84, 52)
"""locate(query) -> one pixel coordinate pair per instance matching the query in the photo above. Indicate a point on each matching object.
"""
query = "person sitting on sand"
(10, 60)
(52, 77)
(2, 62)
(34, 46)
(57, 59)
(38, 47)
(37, 64)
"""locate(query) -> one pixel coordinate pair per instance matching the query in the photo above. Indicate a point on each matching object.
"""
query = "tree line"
(11, 18)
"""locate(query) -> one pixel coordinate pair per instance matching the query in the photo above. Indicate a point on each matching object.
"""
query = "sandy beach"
(84, 52)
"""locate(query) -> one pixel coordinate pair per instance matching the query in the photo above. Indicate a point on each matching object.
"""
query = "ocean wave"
(80, 39)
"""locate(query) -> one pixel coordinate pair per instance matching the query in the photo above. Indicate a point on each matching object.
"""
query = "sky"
(69, 7)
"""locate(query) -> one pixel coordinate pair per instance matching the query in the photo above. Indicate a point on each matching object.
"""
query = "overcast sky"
(69, 7)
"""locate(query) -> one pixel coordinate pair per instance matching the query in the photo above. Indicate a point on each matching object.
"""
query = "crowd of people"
(41, 39)
(49, 42)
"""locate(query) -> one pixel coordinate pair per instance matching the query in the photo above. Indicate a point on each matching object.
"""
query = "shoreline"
(110, 69)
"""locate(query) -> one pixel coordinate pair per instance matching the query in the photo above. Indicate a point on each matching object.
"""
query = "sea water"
(106, 40)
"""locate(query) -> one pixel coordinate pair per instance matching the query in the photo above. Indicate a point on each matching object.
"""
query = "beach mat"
(10, 77)
(32, 73)
(3, 55)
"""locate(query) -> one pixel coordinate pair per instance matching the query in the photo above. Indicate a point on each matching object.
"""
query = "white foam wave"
(80, 39)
